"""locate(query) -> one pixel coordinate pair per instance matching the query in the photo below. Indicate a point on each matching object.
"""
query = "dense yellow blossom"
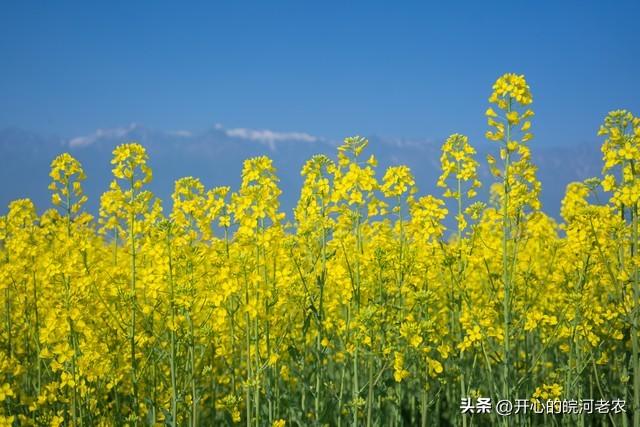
(365, 309)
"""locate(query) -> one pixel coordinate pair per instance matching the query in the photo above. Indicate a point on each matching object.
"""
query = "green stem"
(172, 361)
(506, 235)
(247, 334)
(132, 306)
(634, 324)
(192, 367)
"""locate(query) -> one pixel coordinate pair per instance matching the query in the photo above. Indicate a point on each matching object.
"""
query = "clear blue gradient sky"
(329, 68)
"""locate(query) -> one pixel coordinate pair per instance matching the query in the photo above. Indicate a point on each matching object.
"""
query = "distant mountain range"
(216, 155)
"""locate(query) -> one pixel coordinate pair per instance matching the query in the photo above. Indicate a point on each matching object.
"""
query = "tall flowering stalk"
(255, 209)
(621, 171)
(519, 188)
(131, 171)
(190, 224)
(354, 185)
(314, 226)
(67, 176)
(459, 168)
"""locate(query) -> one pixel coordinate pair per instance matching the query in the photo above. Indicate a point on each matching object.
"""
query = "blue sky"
(332, 69)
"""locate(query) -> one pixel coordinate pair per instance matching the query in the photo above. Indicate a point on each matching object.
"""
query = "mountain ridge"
(215, 155)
